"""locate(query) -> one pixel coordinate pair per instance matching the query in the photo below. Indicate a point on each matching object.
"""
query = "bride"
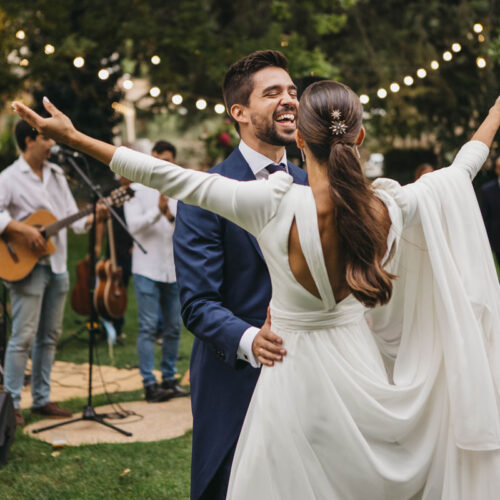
(407, 407)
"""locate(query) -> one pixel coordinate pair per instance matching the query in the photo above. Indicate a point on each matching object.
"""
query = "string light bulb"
(78, 62)
(103, 74)
(394, 87)
(201, 104)
(128, 84)
(408, 80)
(20, 35)
(177, 99)
(49, 49)
(481, 62)
(156, 60)
(456, 47)
(219, 108)
(154, 91)
(434, 65)
(421, 73)
(364, 99)
(24, 62)
(447, 56)
(382, 93)
(478, 28)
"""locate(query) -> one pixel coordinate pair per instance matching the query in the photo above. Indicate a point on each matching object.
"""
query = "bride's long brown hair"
(363, 238)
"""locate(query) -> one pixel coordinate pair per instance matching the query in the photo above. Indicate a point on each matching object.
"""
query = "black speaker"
(7, 426)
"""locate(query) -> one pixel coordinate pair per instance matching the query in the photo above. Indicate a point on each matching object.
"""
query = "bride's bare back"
(333, 252)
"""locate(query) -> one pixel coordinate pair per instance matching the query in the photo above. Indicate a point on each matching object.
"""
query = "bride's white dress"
(407, 407)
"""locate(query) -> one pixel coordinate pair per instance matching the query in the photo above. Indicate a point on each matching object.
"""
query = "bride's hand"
(58, 127)
(496, 107)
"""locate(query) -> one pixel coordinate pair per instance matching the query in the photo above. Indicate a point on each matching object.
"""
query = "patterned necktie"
(273, 167)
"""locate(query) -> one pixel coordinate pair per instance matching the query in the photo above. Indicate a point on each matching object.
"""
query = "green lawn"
(158, 470)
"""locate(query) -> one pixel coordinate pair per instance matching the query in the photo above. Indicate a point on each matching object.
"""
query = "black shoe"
(172, 385)
(156, 394)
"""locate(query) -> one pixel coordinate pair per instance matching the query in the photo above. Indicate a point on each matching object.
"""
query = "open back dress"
(395, 403)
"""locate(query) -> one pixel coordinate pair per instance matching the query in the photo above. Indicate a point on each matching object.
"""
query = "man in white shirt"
(32, 183)
(150, 218)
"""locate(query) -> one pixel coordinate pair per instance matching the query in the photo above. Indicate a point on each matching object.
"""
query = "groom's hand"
(267, 347)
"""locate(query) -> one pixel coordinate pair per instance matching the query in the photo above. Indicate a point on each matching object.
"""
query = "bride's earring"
(302, 155)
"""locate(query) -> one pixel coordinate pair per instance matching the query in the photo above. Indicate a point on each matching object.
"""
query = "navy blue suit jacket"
(490, 208)
(224, 288)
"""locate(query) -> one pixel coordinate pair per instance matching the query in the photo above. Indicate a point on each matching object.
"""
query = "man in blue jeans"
(32, 183)
(150, 218)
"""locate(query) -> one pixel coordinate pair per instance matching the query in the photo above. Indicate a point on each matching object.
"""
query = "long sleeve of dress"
(249, 204)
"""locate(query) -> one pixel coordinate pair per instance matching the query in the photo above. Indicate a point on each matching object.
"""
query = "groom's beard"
(266, 130)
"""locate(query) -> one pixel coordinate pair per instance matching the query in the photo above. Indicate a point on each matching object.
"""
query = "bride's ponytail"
(330, 121)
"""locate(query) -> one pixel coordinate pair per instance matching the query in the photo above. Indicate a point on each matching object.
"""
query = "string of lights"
(434, 65)
(201, 103)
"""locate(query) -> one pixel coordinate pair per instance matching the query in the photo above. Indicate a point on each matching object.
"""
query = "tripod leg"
(97, 419)
(59, 424)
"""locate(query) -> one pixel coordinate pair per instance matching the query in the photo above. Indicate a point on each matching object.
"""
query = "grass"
(158, 470)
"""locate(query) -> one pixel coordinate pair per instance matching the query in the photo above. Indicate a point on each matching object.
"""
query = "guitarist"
(32, 183)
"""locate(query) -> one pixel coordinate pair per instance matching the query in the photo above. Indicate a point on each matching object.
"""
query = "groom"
(224, 283)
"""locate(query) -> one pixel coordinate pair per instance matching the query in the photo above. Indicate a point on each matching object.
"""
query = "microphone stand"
(89, 412)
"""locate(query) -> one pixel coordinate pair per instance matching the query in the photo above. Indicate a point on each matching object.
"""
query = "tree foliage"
(365, 43)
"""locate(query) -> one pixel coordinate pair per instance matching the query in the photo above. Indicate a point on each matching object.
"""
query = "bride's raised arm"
(473, 154)
(249, 204)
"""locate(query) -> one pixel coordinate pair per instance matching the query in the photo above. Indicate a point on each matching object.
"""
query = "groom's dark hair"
(238, 82)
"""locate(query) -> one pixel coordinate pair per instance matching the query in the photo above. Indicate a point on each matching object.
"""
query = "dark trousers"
(217, 487)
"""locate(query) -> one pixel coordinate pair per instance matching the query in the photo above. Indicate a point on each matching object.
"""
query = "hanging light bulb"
(78, 62)
(103, 74)
(49, 49)
(481, 62)
(421, 73)
(20, 35)
(408, 80)
(447, 56)
(364, 99)
(156, 60)
(219, 108)
(154, 91)
(201, 104)
(456, 47)
(478, 28)
(128, 84)
(394, 87)
(382, 93)
(177, 99)
(434, 65)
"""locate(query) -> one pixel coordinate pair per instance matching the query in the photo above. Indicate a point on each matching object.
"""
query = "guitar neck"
(54, 228)
(116, 198)
(111, 237)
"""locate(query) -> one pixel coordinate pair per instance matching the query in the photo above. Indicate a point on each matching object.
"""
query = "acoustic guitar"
(17, 259)
(110, 295)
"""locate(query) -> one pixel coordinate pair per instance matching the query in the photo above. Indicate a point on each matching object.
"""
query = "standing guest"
(32, 183)
(150, 218)
(490, 208)
(422, 169)
(224, 282)
(164, 150)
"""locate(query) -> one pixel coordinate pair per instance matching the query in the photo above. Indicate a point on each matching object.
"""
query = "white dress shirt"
(257, 163)
(22, 192)
(154, 232)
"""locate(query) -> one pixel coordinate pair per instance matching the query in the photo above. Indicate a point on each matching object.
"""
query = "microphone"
(57, 152)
